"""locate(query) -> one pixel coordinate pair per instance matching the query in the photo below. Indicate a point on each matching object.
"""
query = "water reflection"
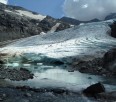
(54, 76)
(59, 76)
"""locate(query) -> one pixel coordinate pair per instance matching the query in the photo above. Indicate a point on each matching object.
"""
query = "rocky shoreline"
(15, 74)
(94, 67)
(97, 66)
(104, 66)
(27, 94)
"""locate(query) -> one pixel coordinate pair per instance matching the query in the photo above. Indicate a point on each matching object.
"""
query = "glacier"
(91, 39)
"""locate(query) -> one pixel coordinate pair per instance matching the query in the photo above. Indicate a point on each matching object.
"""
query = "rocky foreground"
(95, 93)
(27, 94)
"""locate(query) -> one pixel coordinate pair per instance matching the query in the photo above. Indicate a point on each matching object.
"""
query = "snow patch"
(54, 28)
(8, 11)
(42, 33)
(30, 15)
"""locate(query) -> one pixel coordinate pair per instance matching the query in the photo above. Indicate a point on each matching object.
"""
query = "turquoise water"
(59, 76)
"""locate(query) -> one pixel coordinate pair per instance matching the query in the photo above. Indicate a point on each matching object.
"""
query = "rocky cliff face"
(17, 22)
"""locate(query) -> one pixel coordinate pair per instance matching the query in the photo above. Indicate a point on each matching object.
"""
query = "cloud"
(4, 1)
(89, 9)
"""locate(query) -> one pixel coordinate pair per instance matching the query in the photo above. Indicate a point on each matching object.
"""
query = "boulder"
(94, 89)
(1, 62)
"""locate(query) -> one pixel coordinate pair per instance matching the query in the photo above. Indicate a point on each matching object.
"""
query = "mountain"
(110, 16)
(17, 22)
(77, 22)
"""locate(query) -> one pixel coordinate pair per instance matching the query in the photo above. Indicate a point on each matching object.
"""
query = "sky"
(83, 10)
(86, 10)
(45, 7)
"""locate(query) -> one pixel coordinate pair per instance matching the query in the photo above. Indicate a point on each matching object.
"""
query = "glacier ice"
(87, 39)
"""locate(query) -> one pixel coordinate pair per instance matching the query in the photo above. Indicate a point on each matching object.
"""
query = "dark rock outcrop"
(109, 96)
(13, 25)
(92, 66)
(110, 60)
(110, 16)
(70, 20)
(113, 29)
(15, 74)
(76, 22)
(94, 89)
(1, 62)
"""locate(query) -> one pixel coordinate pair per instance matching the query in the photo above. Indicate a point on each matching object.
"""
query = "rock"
(108, 96)
(110, 16)
(62, 26)
(4, 95)
(1, 62)
(14, 26)
(1, 99)
(52, 61)
(59, 91)
(71, 70)
(23, 88)
(15, 74)
(113, 29)
(94, 89)
(24, 100)
(93, 66)
(109, 60)
(57, 62)
(75, 21)
(23, 69)
(27, 95)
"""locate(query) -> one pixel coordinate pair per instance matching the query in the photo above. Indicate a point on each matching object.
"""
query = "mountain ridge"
(77, 22)
(17, 22)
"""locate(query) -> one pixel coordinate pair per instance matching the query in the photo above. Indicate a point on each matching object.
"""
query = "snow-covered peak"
(27, 14)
